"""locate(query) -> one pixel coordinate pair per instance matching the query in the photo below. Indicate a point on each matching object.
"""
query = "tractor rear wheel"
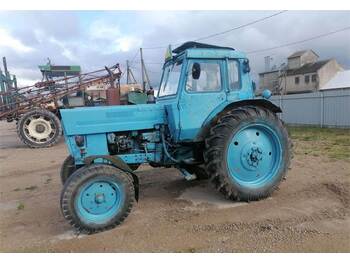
(39, 128)
(97, 198)
(247, 153)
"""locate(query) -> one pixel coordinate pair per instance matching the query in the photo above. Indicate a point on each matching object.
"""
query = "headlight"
(79, 141)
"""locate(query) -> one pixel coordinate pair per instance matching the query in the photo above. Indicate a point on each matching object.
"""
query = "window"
(296, 80)
(313, 78)
(170, 79)
(307, 79)
(233, 75)
(209, 79)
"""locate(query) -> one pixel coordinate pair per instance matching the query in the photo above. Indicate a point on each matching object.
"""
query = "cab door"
(200, 95)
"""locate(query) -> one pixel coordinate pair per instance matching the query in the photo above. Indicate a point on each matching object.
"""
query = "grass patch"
(20, 206)
(331, 142)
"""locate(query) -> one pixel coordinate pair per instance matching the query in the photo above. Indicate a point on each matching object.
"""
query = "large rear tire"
(39, 128)
(247, 153)
(97, 198)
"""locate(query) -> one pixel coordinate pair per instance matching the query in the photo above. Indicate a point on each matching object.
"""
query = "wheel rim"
(254, 155)
(39, 129)
(99, 201)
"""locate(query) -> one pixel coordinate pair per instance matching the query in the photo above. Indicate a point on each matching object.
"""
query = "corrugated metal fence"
(327, 108)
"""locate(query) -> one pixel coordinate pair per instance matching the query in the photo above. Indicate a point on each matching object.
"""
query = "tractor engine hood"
(105, 119)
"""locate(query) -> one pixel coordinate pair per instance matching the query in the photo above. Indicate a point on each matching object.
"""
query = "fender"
(118, 163)
(217, 112)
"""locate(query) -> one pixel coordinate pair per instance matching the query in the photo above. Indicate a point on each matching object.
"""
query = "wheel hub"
(251, 156)
(99, 198)
(40, 128)
(254, 156)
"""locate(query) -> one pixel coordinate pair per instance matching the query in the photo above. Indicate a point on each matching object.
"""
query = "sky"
(93, 39)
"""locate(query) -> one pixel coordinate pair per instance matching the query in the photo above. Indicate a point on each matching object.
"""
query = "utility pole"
(127, 72)
(142, 72)
(145, 78)
(130, 79)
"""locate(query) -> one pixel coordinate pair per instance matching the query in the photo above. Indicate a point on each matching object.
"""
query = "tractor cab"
(198, 81)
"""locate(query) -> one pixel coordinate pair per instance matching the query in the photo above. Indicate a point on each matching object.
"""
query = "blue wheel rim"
(99, 200)
(254, 156)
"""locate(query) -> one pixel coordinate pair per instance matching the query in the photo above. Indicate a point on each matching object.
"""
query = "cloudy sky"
(94, 39)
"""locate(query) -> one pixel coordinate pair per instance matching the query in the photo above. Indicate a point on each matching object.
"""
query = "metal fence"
(325, 108)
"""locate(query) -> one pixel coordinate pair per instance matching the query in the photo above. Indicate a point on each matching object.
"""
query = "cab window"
(209, 79)
(233, 74)
(170, 81)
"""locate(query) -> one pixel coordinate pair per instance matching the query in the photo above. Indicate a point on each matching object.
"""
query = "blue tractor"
(205, 122)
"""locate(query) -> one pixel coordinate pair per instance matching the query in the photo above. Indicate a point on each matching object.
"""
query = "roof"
(300, 53)
(268, 72)
(308, 68)
(340, 80)
(60, 70)
(192, 44)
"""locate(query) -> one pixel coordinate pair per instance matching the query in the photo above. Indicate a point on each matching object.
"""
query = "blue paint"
(104, 119)
(254, 155)
(99, 200)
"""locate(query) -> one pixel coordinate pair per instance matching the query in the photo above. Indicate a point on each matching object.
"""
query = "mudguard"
(216, 113)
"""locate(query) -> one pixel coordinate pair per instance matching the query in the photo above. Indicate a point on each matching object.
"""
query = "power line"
(226, 31)
(241, 26)
(132, 60)
(299, 42)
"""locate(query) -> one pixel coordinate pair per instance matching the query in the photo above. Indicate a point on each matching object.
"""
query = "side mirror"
(196, 71)
(246, 67)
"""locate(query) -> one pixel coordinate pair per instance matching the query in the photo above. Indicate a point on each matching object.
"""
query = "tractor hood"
(105, 119)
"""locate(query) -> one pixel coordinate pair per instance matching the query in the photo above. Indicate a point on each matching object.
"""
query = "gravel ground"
(309, 213)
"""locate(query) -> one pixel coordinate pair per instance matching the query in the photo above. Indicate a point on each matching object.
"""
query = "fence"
(325, 108)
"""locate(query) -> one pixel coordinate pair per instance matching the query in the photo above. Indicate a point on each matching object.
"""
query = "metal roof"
(340, 80)
(308, 68)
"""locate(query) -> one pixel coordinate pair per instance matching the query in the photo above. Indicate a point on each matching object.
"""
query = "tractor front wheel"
(39, 128)
(97, 198)
(247, 153)
(67, 168)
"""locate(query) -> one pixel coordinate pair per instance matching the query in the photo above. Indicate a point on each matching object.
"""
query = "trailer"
(36, 108)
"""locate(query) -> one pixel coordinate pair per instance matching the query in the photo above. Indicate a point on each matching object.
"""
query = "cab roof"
(191, 44)
(205, 51)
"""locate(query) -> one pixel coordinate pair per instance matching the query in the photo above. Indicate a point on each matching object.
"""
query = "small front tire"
(68, 167)
(97, 198)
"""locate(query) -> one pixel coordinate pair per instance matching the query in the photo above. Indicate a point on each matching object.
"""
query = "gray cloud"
(67, 36)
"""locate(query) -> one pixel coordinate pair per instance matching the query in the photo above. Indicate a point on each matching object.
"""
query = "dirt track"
(309, 213)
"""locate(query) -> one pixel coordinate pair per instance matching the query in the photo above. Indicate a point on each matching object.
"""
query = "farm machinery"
(36, 107)
(205, 122)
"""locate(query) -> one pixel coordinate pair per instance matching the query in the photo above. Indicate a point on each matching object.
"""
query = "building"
(303, 73)
(340, 81)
